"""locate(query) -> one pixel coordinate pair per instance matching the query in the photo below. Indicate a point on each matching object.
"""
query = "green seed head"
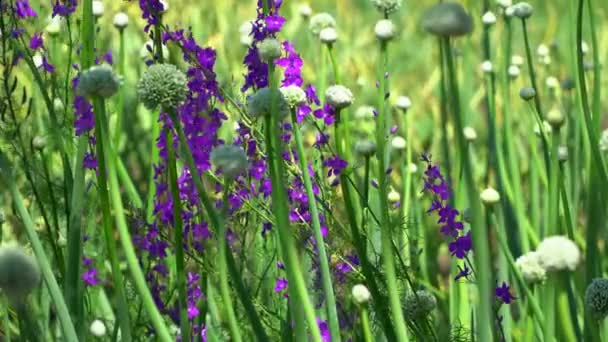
(522, 10)
(339, 96)
(19, 273)
(230, 159)
(99, 80)
(419, 305)
(366, 148)
(447, 19)
(294, 95)
(162, 85)
(320, 21)
(527, 93)
(386, 7)
(596, 298)
(260, 103)
(269, 49)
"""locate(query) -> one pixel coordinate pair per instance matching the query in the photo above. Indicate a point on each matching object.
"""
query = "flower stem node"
(419, 305)
(447, 19)
(361, 294)
(320, 21)
(260, 103)
(98, 80)
(19, 273)
(294, 96)
(339, 97)
(596, 298)
(98, 328)
(162, 85)
(230, 159)
(489, 196)
(269, 49)
(522, 10)
(366, 148)
(121, 20)
(527, 93)
(384, 30)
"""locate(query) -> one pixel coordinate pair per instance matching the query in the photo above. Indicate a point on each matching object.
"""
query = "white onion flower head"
(604, 141)
(386, 7)
(393, 196)
(98, 80)
(556, 118)
(470, 134)
(361, 294)
(546, 60)
(269, 49)
(552, 82)
(305, 10)
(320, 21)
(522, 10)
(546, 128)
(488, 18)
(165, 4)
(398, 143)
(244, 31)
(517, 60)
(542, 50)
(37, 59)
(489, 196)
(558, 253)
(513, 71)
(294, 95)
(384, 30)
(53, 27)
(504, 3)
(328, 35)
(412, 168)
(530, 268)
(403, 102)
(562, 153)
(97, 328)
(339, 97)
(98, 8)
(487, 67)
(364, 113)
(121, 20)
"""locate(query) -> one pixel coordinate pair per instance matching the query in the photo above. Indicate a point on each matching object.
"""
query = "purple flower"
(90, 277)
(461, 246)
(64, 8)
(463, 272)
(324, 328)
(335, 165)
(293, 64)
(274, 23)
(36, 41)
(83, 111)
(280, 285)
(23, 9)
(89, 161)
(48, 67)
(503, 292)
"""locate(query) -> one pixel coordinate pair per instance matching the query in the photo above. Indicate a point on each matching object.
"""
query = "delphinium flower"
(23, 9)
(89, 276)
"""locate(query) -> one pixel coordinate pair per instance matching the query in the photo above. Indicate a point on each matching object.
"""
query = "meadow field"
(285, 170)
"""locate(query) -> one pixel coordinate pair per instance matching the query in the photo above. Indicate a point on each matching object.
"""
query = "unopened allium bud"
(419, 305)
(530, 268)
(305, 10)
(603, 143)
(261, 103)
(558, 253)
(58, 106)
(97, 8)
(596, 298)
(121, 20)
(509, 11)
(488, 18)
(546, 128)
(162, 85)
(522, 10)
(447, 19)
(386, 7)
(489, 196)
(294, 95)
(517, 60)
(393, 196)
(567, 84)
(562, 153)
(53, 27)
(542, 50)
(97, 328)
(230, 159)
(339, 97)
(403, 102)
(366, 148)
(584, 47)
(384, 30)
(269, 49)
(398, 143)
(39, 142)
(470, 134)
(98, 80)
(328, 35)
(19, 273)
(364, 113)
(552, 82)
(527, 93)
(556, 118)
(361, 294)
(412, 168)
(320, 21)
(513, 71)
(487, 67)
(244, 31)
(504, 3)
(37, 59)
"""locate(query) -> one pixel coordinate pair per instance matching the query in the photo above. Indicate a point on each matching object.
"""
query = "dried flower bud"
(98, 80)
(527, 93)
(121, 20)
(361, 294)
(19, 273)
(260, 103)
(522, 10)
(320, 21)
(489, 196)
(366, 148)
(269, 49)
(97, 328)
(384, 30)
(447, 19)
(339, 97)
(328, 35)
(596, 298)
(419, 305)
(230, 159)
(162, 85)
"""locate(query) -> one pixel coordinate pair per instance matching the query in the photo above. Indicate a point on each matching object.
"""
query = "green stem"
(367, 333)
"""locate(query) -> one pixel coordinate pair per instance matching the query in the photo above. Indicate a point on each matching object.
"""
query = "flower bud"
(384, 30)
(386, 7)
(398, 143)
(260, 103)
(488, 18)
(530, 268)
(361, 294)
(393, 196)
(522, 10)
(269, 49)
(447, 19)
(470, 134)
(39, 142)
(487, 67)
(230, 159)
(489, 196)
(244, 31)
(97, 8)
(403, 102)
(294, 95)
(517, 60)
(305, 10)
(366, 148)
(53, 27)
(513, 71)
(504, 3)
(562, 153)
(328, 35)
(58, 106)
(19, 273)
(527, 93)
(552, 82)
(339, 97)
(556, 118)
(364, 113)
(419, 305)
(320, 21)
(98, 80)
(542, 50)
(121, 20)
(97, 328)
(596, 298)
(162, 85)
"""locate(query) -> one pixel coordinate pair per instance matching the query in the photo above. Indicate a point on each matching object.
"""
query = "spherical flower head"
(403, 103)
(487, 67)
(320, 21)
(596, 298)
(386, 7)
(393, 196)
(244, 31)
(366, 148)
(552, 82)
(530, 268)
(260, 103)
(97, 328)
(556, 118)
(513, 71)
(603, 143)
(469, 133)
(364, 113)
(328, 35)
(305, 10)
(269, 49)
(517, 60)
(447, 19)
(97, 8)
(489, 196)
(361, 294)
(339, 97)
(562, 153)
(121, 20)
(162, 85)
(558, 253)
(419, 305)
(527, 93)
(53, 27)
(522, 10)
(542, 50)
(98, 80)
(504, 3)
(488, 18)
(384, 30)
(398, 143)
(294, 95)
(19, 273)
(230, 159)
